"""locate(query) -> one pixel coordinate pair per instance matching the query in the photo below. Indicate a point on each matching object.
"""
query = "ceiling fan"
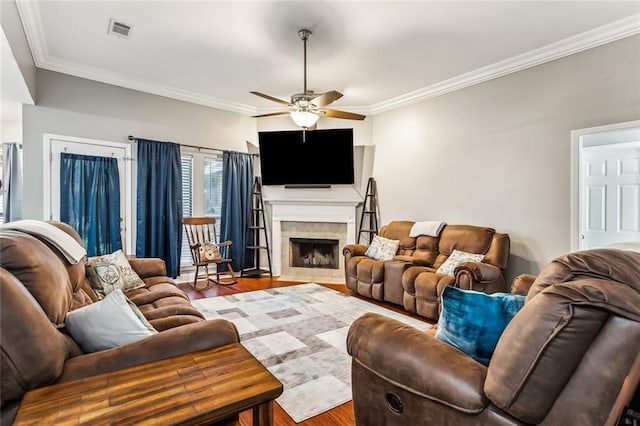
(307, 107)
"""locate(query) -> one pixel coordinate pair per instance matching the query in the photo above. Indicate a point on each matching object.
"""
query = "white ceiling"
(379, 54)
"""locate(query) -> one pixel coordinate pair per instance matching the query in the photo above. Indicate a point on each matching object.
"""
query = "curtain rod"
(133, 138)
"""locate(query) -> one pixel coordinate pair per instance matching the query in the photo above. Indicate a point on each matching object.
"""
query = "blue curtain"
(159, 203)
(237, 179)
(12, 182)
(90, 200)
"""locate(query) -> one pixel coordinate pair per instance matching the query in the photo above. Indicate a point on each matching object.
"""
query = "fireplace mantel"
(321, 210)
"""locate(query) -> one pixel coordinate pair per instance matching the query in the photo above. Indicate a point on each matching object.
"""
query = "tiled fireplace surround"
(310, 218)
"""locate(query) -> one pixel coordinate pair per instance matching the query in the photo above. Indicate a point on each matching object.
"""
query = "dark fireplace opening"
(313, 253)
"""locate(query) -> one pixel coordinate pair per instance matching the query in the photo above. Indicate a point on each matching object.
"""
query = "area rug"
(299, 333)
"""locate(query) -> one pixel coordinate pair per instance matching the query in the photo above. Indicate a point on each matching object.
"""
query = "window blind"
(187, 205)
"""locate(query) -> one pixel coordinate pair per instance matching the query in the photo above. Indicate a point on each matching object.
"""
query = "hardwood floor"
(341, 415)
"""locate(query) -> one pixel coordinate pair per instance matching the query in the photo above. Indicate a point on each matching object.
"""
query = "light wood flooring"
(341, 415)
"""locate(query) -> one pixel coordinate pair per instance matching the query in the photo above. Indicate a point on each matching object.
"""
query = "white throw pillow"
(456, 258)
(382, 248)
(108, 323)
(110, 272)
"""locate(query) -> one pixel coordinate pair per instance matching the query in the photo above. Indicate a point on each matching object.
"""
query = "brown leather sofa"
(39, 287)
(570, 356)
(410, 279)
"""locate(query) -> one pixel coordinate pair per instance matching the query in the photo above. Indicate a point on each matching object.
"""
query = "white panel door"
(610, 211)
(72, 145)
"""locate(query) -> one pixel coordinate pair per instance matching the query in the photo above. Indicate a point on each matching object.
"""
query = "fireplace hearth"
(313, 253)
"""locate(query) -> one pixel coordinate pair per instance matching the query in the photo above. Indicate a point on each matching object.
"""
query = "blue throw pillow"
(473, 321)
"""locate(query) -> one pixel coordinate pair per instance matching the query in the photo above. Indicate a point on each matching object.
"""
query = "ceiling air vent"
(119, 29)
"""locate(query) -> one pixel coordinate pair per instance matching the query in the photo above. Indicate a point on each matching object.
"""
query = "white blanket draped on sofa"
(69, 247)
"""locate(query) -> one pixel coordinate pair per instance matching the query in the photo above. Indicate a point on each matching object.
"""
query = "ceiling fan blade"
(271, 98)
(326, 98)
(270, 114)
(334, 113)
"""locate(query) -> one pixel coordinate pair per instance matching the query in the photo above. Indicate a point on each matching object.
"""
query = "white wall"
(11, 131)
(498, 154)
(73, 106)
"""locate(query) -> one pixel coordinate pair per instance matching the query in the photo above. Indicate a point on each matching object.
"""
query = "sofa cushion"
(42, 273)
(382, 248)
(473, 321)
(33, 351)
(399, 230)
(164, 304)
(456, 258)
(110, 322)
(110, 272)
(469, 238)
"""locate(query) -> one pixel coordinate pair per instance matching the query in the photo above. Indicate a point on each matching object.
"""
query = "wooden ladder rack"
(257, 239)
(370, 212)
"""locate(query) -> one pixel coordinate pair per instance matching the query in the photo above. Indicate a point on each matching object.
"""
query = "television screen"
(322, 157)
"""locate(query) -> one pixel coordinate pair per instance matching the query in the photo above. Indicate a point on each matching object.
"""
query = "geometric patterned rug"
(299, 333)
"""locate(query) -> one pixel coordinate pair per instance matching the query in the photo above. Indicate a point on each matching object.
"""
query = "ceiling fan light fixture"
(307, 107)
(304, 119)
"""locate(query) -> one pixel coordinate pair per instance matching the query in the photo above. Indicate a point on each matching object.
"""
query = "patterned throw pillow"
(111, 272)
(473, 321)
(455, 259)
(209, 251)
(382, 248)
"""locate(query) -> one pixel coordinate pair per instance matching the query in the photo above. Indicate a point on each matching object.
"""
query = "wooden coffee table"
(191, 389)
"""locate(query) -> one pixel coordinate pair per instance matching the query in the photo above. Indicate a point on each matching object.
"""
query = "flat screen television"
(322, 157)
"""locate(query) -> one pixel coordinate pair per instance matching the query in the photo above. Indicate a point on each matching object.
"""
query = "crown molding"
(589, 39)
(143, 86)
(629, 26)
(32, 24)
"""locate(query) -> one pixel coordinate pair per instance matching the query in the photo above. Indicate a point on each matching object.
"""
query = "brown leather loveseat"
(570, 356)
(410, 279)
(39, 287)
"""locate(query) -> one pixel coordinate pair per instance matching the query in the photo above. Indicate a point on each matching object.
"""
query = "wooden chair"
(203, 242)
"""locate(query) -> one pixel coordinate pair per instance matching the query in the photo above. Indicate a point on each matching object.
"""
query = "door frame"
(591, 136)
(127, 187)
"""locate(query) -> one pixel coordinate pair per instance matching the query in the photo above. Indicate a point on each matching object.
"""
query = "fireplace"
(313, 253)
(298, 217)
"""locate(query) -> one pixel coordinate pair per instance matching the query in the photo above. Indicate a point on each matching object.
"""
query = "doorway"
(605, 185)
(54, 145)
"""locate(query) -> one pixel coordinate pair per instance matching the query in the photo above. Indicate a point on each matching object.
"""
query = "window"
(201, 192)
(3, 183)
(213, 189)
(187, 205)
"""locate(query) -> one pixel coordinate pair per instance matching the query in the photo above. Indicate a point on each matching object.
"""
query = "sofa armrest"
(479, 276)
(522, 283)
(175, 341)
(148, 267)
(423, 364)
(351, 250)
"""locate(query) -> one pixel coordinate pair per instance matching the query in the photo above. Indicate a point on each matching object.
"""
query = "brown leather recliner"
(570, 356)
(410, 279)
(39, 287)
